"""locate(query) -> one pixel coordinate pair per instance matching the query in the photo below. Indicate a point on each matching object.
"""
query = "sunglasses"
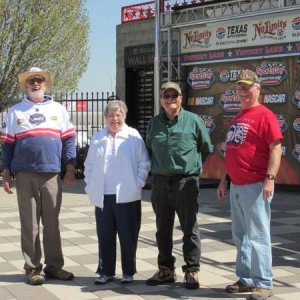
(171, 96)
(36, 79)
(244, 87)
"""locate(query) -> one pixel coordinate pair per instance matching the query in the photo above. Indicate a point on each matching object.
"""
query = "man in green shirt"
(178, 143)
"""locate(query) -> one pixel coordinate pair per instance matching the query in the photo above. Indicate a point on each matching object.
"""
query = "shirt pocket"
(184, 142)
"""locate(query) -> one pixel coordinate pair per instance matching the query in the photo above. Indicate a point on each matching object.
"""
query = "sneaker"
(260, 294)
(59, 274)
(191, 281)
(239, 287)
(34, 277)
(163, 275)
(126, 278)
(102, 279)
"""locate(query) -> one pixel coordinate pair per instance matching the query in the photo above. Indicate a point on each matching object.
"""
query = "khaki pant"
(39, 198)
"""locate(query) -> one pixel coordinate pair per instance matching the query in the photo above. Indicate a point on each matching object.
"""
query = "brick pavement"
(80, 251)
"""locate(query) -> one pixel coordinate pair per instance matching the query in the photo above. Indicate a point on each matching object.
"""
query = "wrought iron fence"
(87, 113)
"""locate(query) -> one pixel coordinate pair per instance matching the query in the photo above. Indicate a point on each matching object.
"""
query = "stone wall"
(128, 35)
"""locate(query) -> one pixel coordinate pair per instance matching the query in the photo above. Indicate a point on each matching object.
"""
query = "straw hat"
(34, 71)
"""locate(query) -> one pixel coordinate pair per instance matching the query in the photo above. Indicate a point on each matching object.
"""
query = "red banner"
(81, 105)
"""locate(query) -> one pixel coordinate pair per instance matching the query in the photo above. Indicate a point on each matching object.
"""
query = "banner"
(249, 33)
(81, 105)
(211, 93)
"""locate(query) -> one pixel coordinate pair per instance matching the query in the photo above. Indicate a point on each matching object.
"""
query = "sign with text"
(250, 33)
(242, 53)
(139, 56)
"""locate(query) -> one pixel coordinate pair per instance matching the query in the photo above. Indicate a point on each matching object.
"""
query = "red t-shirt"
(247, 144)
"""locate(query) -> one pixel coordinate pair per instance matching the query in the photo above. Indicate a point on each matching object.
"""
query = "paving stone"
(80, 248)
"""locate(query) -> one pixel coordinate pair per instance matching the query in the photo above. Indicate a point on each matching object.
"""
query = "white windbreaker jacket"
(132, 159)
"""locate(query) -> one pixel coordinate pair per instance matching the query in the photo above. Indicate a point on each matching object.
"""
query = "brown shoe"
(34, 277)
(239, 287)
(191, 281)
(260, 294)
(163, 275)
(59, 274)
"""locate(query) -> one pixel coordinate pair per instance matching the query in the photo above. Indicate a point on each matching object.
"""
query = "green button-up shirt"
(178, 146)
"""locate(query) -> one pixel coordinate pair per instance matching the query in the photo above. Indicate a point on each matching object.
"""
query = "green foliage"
(81, 156)
(81, 153)
(50, 34)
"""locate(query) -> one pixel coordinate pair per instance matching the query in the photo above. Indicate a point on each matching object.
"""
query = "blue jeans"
(251, 216)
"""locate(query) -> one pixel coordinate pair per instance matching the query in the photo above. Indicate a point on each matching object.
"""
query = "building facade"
(204, 45)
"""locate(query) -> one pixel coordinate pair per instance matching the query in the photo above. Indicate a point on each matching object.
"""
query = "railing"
(212, 11)
(146, 10)
(138, 12)
(86, 112)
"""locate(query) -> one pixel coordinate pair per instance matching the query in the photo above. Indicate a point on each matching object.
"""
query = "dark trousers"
(123, 219)
(170, 195)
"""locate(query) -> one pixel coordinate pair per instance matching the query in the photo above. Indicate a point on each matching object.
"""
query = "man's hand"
(221, 190)
(7, 181)
(268, 188)
(69, 178)
(273, 166)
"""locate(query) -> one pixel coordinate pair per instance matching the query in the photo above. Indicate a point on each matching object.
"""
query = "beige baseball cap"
(170, 85)
(248, 77)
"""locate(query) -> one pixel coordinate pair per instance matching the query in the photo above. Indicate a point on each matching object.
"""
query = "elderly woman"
(116, 169)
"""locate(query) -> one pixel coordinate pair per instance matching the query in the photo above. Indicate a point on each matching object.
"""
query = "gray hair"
(115, 105)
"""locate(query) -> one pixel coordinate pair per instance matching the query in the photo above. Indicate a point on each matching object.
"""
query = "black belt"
(177, 175)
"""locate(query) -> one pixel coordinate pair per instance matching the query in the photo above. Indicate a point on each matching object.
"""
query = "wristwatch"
(270, 176)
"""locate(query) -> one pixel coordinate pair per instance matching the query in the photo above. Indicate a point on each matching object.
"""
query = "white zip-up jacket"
(132, 161)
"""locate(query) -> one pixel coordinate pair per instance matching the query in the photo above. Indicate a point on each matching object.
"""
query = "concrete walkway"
(81, 252)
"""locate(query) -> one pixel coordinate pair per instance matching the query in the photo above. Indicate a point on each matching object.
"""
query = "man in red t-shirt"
(253, 154)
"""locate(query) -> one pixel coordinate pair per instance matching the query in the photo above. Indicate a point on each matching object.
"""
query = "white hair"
(115, 105)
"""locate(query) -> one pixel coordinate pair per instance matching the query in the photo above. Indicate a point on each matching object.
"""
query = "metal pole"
(169, 41)
(157, 58)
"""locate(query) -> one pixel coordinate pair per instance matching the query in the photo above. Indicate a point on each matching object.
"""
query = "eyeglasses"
(244, 87)
(36, 79)
(116, 115)
(170, 96)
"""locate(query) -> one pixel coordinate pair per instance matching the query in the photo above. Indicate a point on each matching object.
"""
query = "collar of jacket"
(47, 99)
(123, 133)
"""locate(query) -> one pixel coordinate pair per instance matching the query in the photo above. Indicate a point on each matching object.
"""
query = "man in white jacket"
(116, 169)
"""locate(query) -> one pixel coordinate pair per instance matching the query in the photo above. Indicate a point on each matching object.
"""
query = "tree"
(49, 34)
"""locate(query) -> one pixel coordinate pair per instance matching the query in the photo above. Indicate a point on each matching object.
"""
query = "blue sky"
(101, 72)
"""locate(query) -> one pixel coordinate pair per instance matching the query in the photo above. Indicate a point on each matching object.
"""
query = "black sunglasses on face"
(36, 79)
(170, 96)
(244, 87)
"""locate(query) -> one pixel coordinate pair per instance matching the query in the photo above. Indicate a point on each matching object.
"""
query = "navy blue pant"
(170, 195)
(123, 219)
